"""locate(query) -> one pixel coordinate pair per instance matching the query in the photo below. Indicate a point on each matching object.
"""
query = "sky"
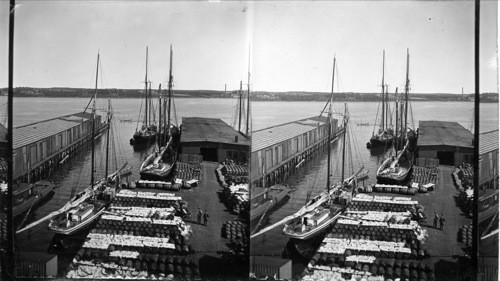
(289, 44)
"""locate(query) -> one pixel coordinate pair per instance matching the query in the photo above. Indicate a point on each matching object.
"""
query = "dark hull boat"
(380, 141)
(147, 136)
(385, 135)
(28, 195)
(266, 200)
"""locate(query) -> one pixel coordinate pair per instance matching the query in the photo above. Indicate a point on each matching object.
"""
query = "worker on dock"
(441, 221)
(436, 218)
(205, 217)
(200, 214)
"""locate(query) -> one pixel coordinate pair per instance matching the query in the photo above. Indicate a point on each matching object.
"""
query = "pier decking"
(279, 149)
(39, 146)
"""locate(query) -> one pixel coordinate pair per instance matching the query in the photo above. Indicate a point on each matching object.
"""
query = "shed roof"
(279, 133)
(197, 129)
(444, 133)
(24, 135)
(488, 141)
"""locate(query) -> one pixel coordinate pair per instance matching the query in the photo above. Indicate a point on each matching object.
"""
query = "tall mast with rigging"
(407, 88)
(330, 129)
(240, 105)
(107, 138)
(343, 142)
(170, 81)
(159, 140)
(248, 97)
(383, 94)
(397, 121)
(146, 92)
(93, 124)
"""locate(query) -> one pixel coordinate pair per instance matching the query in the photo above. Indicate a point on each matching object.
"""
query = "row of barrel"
(466, 171)
(378, 206)
(238, 235)
(145, 202)
(153, 264)
(465, 235)
(163, 185)
(389, 189)
(389, 268)
(188, 171)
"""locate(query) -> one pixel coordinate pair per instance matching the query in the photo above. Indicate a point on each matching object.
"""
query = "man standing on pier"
(441, 222)
(205, 217)
(200, 213)
(436, 218)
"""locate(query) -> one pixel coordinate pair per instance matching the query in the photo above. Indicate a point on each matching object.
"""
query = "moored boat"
(265, 199)
(146, 134)
(385, 135)
(160, 164)
(321, 212)
(27, 195)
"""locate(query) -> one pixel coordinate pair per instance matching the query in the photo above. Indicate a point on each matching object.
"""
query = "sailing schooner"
(147, 133)
(385, 134)
(159, 165)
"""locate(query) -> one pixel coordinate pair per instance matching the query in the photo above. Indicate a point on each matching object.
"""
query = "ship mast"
(248, 96)
(170, 78)
(107, 138)
(383, 94)
(93, 125)
(146, 91)
(396, 140)
(330, 129)
(159, 140)
(407, 88)
(240, 105)
(343, 142)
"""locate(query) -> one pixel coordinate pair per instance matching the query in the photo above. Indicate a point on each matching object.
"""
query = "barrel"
(397, 272)
(373, 269)
(406, 273)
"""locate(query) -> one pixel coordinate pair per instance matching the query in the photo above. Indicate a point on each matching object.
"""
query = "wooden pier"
(279, 150)
(42, 146)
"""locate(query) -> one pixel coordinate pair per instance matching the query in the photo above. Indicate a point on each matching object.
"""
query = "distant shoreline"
(292, 96)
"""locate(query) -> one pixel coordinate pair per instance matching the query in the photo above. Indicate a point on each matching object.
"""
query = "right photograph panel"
(363, 141)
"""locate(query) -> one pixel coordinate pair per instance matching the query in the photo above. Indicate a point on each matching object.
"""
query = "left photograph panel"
(131, 140)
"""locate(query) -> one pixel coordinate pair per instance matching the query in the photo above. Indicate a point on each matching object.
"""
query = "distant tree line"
(256, 96)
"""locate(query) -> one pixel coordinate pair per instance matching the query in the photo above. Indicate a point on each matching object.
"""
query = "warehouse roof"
(196, 129)
(279, 133)
(444, 133)
(34, 132)
(488, 141)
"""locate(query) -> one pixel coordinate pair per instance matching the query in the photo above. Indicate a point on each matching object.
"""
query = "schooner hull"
(142, 139)
(379, 143)
(84, 225)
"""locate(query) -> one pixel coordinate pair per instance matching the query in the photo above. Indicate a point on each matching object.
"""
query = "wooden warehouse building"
(213, 139)
(39, 146)
(449, 142)
(279, 149)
